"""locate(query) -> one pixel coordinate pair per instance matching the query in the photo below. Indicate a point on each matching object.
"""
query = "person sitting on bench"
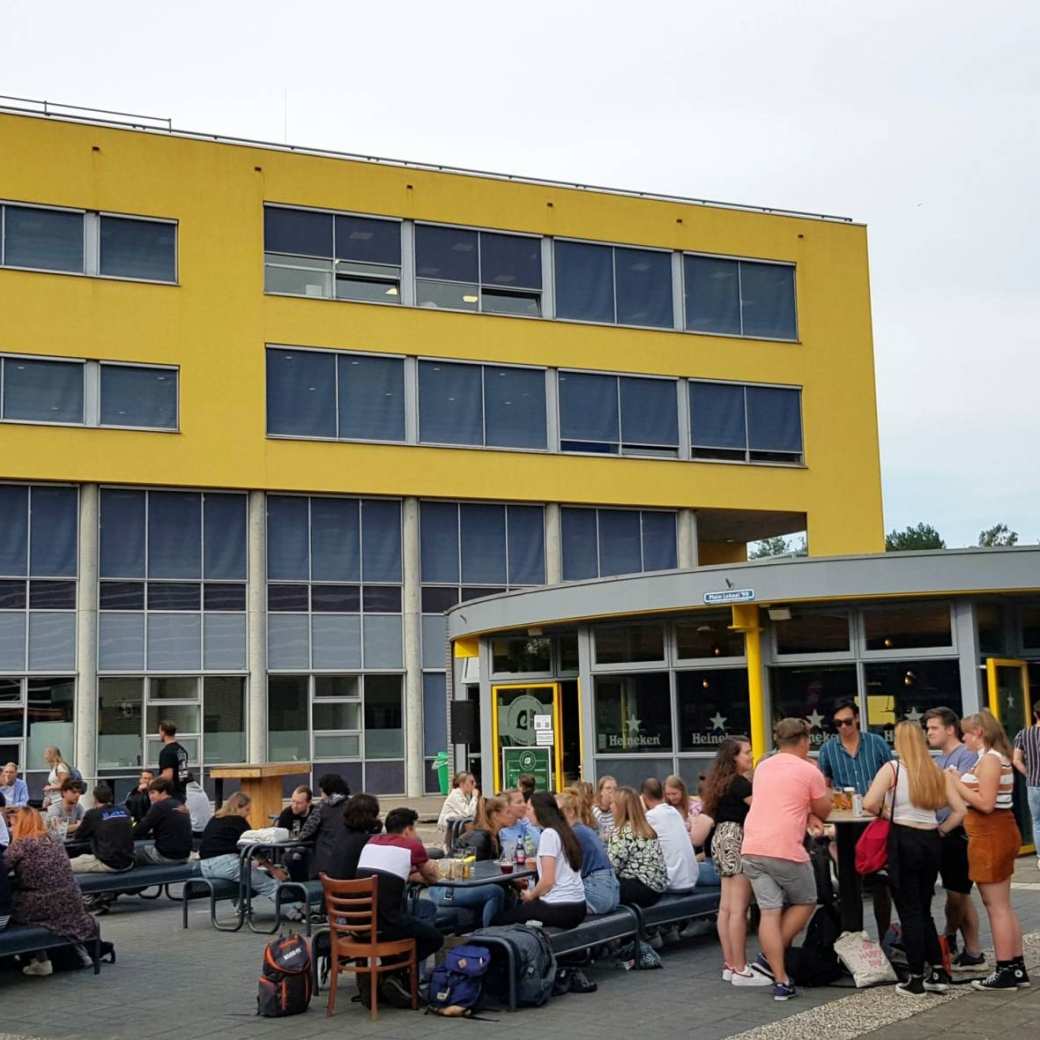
(67, 808)
(110, 832)
(138, 802)
(168, 822)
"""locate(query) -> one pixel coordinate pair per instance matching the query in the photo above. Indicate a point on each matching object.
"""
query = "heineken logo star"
(913, 715)
(815, 720)
(718, 722)
(634, 725)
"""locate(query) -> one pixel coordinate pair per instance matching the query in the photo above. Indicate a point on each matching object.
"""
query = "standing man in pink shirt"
(787, 788)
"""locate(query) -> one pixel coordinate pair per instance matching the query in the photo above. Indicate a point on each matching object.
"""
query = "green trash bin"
(443, 767)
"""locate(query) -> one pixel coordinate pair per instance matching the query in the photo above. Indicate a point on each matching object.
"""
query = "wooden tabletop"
(259, 770)
(848, 816)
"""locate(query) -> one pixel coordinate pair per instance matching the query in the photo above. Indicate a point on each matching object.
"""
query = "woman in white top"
(59, 770)
(461, 803)
(909, 793)
(558, 899)
(993, 842)
(603, 806)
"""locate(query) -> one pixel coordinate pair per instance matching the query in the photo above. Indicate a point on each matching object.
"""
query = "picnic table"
(847, 830)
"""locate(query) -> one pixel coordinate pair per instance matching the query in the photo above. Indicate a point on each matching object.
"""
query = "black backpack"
(815, 963)
(285, 978)
(533, 960)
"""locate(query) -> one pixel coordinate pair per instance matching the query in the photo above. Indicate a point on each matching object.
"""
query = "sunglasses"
(844, 722)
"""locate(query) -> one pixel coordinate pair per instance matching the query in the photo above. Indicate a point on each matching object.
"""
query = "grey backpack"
(534, 964)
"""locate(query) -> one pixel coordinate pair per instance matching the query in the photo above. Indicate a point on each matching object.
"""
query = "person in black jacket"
(110, 833)
(360, 822)
(292, 818)
(168, 822)
(138, 802)
(325, 824)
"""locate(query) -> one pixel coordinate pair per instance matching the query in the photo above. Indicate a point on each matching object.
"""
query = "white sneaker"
(38, 968)
(727, 973)
(747, 977)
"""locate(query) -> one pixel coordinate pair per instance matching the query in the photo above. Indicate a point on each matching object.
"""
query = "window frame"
(599, 575)
(176, 369)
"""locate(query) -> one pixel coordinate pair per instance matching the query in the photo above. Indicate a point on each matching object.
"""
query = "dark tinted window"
(368, 241)
(774, 419)
(335, 598)
(138, 396)
(174, 535)
(526, 545)
(483, 544)
(382, 599)
(47, 239)
(121, 595)
(588, 412)
(644, 287)
(450, 407)
(717, 416)
(138, 249)
(584, 282)
(335, 540)
(43, 391)
(439, 529)
(659, 550)
(122, 533)
(445, 253)
(767, 300)
(620, 542)
(578, 528)
(288, 538)
(301, 393)
(380, 540)
(52, 531)
(174, 595)
(14, 529)
(649, 414)
(514, 407)
(52, 595)
(225, 536)
(297, 231)
(224, 597)
(712, 295)
(510, 261)
(287, 597)
(371, 398)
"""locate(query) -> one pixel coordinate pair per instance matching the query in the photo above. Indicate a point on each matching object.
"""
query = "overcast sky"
(917, 117)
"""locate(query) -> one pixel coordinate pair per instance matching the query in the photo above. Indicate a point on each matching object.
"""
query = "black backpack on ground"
(533, 959)
(285, 978)
(815, 963)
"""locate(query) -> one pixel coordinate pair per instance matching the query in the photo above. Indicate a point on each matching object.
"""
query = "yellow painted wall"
(721, 552)
(216, 322)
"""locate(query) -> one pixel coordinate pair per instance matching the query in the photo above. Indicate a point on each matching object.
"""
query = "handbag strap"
(894, 788)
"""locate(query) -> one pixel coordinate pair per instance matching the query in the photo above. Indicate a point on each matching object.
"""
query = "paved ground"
(169, 983)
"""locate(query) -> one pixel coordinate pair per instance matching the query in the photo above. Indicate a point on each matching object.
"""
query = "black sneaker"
(965, 961)
(913, 987)
(938, 981)
(1021, 975)
(396, 992)
(1000, 978)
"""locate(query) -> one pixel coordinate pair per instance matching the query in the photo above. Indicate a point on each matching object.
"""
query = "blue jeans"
(602, 891)
(1033, 795)
(489, 899)
(228, 868)
(707, 875)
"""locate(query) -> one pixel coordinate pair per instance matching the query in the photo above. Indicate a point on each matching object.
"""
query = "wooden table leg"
(850, 885)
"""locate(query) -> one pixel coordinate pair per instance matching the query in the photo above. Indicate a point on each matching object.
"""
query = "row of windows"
(46, 391)
(91, 243)
(602, 542)
(336, 256)
(363, 397)
(38, 526)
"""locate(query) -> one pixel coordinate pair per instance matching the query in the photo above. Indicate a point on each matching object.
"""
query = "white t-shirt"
(569, 887)
(676, 846)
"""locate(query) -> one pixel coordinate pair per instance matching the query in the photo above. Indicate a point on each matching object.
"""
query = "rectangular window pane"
(52, 641)
(138, 249)
(174, 642)
(434, 641)
(588, 412)
(174, 688)
(336, 641)
(439, 529)
(288, 724)
(335, 540)
(510, 261)
(52, 531)
(644, 287)
(49, 715)
(774, 419)
(526, 545)
(584, 282)
(224, 596)
(174, 535)
(351, 283)
(717, 416)
(301, 393)
(120, 721)
(12, 642)
(435, 715)
(380, 540)
(336, 716)
(767, 300)
(633, 714)
(383, 641)
(438, 598)
(498, 301)
(450, 410)
(384, 721)
(174, 595)
(909, 627)
(144, 397)
(288, 538)
(659, 550)
(514, 407)
(43, 391)
(292, 598)
(297, 231)
(483, 542)
(712, 295)
(224, 719)
(121, 641)
(121, 595)
(813, 632)
(225, 536)
(902, 691)
(708, 635)
(620, 542)
(382, 599)
(521, 654)
(297, 276)
(371, 397)
(52, 595)
(580, 559)
(336, 686)
(12, 594)
(812, 693)
(445, 253)
(333, 599)
(713, 705)
(288, 641)
(43, 238)
(368, 241)
(122, 533)
(649, 414)
(335, 748)
(459, 296)
(14, 529)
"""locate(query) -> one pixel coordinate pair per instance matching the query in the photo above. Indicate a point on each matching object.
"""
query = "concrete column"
(686, 534)
(553, 545)
(87, 635)
(974, 693)
(413, 684)
(256, 630)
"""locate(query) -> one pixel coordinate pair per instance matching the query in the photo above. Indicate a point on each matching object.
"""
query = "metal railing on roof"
(164, 124)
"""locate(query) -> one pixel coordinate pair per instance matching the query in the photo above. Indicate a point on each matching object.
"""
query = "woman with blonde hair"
(45, 893)
(603, 805)
(993, 842)
(460, 804)
(60, 771)
(910, 792)
(602, 891)
(635, 851)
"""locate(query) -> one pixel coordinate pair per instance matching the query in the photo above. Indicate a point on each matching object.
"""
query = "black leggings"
(914, 856)
(635, 892)
(554, 915)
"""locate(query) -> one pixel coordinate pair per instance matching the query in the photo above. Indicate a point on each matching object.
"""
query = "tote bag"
(872, 847)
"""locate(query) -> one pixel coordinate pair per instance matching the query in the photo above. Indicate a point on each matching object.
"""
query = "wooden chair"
(352, 908)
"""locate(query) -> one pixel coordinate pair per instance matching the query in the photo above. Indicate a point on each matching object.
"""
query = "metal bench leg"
(95, 954)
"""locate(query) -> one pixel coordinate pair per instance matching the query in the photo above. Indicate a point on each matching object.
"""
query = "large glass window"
(707, 635)
(745, 423)
(521, 654)
(613, 284)
(288, 722)
(224, 718)
(45, 239)
(633, 714)
(460, 269)
(602, 542)
(740, 297)
(713, 705)
(138, 396)
(626, 644)
(496, 406)
(813, 632)
(326, 255)
(905, 690)
(912, 626)
(811, 693)
(384, 717)
(42, 391)
(138, 249)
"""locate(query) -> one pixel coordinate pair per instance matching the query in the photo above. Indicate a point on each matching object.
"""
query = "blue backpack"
(457, 984)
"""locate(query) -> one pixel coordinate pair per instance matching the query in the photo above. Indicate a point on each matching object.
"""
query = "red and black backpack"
(285, 978)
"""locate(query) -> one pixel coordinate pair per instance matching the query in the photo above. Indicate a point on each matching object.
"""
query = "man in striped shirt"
(1027, 762)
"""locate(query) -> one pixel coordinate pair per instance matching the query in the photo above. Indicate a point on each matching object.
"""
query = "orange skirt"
(993, 843)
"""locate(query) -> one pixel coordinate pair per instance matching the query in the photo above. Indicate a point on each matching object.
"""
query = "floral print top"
(638, 858)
